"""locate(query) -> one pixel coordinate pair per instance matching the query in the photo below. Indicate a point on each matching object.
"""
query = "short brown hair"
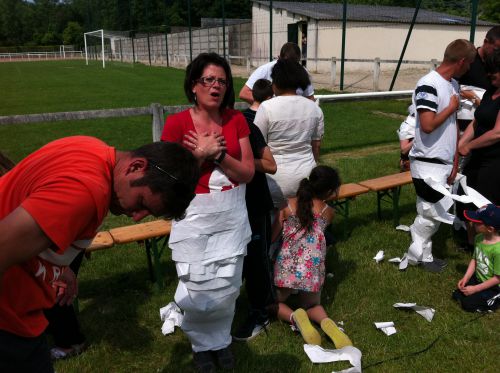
(290, 51)
(459, 49)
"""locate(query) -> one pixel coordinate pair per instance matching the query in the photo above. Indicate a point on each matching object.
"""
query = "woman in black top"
(482, 138)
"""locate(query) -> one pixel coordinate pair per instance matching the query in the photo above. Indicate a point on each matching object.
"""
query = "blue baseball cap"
(488, 215)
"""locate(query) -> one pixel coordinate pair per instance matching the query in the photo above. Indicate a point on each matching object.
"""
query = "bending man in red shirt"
(51, 205)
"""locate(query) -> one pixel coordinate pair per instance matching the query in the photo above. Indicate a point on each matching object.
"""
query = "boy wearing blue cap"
(479, 289)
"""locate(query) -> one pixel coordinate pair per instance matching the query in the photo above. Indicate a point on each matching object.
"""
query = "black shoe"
(432, 267)
(440, 262)
(255, 324)
(225, 358)
(204, 362)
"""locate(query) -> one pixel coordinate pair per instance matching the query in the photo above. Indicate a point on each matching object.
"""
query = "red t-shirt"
(234, 127)
(66, 187)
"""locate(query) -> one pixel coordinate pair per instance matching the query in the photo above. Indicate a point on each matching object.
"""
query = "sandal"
(60, 353)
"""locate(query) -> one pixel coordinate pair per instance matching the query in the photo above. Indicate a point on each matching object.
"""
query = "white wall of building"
(363, 40)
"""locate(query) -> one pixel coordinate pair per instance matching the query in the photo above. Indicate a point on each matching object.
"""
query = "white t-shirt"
(433, 92)
(289, 124)
(264, 72)
(407, 128)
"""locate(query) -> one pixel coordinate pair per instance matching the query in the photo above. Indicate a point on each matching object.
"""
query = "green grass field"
(119, 307)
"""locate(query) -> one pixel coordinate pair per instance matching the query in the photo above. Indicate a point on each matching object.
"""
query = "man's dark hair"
(173, 172)
(195, 70)
(492, 62)
(288, 75)
(5, 164)
(262, 90)
(290, 51)
(493, 34)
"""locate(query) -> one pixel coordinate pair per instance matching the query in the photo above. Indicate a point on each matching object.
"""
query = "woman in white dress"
(293, 127)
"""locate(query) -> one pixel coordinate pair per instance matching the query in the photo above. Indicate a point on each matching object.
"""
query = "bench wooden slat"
(351, 190)
(387, 182)
(141, 232)
(102, 240)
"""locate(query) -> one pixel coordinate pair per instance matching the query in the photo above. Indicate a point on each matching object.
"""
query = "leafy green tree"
(490, 10)
(50, 38)
(73, 34)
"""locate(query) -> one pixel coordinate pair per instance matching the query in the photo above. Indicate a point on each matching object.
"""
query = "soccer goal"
(100, 48)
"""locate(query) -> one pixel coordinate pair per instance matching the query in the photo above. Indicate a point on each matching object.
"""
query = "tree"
(73, 34)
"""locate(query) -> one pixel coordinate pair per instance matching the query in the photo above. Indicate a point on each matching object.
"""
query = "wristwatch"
(220, 158)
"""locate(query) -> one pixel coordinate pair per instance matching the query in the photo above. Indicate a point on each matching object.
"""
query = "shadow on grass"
(246, 360)
(111, 311)
(342, 268)
(368, 218)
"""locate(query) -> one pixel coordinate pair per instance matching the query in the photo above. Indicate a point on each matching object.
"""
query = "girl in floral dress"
(300, 264)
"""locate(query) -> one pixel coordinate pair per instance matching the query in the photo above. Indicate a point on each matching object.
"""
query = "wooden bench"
(388, 186)
(150, 233)
(340, 203)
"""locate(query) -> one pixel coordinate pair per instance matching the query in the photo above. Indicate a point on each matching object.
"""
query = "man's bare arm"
(246, 94)
(429, 120)
(21, 238)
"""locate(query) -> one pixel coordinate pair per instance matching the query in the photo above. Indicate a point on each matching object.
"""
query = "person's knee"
(470, 304)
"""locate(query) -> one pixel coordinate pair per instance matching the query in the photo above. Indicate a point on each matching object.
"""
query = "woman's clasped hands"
(205, 146)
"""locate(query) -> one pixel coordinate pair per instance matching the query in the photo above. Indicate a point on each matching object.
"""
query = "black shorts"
(424, 191)
(23, 354)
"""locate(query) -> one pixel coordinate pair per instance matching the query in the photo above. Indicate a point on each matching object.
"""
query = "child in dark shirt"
(257, 267)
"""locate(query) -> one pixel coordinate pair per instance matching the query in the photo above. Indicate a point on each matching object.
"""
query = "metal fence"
(37, 56)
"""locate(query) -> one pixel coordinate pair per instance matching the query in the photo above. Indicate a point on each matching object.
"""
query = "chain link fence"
(334, 37)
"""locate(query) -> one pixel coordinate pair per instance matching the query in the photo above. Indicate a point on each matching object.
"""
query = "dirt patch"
(389, 115)
(360, 152)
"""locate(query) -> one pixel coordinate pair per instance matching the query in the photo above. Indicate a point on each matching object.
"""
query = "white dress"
(289, 124)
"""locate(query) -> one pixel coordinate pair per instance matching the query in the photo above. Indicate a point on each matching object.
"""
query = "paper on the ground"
(403, 262)
(379, 256)
(387, 327)
(403, 228)
(171, 316)
(317, 354)
(426, 312)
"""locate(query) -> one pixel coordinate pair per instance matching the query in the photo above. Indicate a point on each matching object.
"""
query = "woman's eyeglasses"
(209, 81)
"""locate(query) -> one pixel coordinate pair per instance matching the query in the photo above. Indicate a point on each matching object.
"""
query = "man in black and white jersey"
(433, 157)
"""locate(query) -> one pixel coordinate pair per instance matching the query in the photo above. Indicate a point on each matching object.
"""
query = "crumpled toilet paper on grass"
(379, 256)
(172, 316)
(317, 354)
(426, 312)
(387, 327)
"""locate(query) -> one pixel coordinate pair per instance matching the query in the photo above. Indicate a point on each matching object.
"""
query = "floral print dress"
(300, 263)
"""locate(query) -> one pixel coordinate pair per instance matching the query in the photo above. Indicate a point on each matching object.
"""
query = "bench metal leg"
(395, 205)
(392, 196)
(153, 254)
(342, 209)
(380, 195)
(150, 262)
(157, 264)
